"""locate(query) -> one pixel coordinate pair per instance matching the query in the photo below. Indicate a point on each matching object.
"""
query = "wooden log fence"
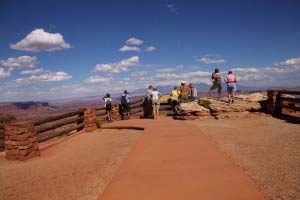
(2, 136)
(279, 99)
(71, 122)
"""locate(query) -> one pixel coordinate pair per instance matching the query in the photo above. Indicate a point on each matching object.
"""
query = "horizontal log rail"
(291, 107)
(134, 101)
(101, 113)
(137, 105)
(99, 108)
(58, 117)
(44, 137)
(289, 92)
(288, 99)
(66, 123)
(59, 124)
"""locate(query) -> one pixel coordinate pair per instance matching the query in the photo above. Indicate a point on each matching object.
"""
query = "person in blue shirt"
(125, 103)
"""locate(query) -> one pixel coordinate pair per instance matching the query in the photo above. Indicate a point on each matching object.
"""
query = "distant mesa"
(28, 104)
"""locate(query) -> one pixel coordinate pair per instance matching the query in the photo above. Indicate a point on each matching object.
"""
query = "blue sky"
(63, 49)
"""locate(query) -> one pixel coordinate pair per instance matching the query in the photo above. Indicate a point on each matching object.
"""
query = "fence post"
(21, 142)
(273, 103)
(90, 120)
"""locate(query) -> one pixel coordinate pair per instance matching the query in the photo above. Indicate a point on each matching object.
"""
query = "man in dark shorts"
(217, 83)
(125, 103)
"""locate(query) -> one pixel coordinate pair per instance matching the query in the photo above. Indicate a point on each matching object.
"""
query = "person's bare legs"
(111, 115)
(219, 95)
(154, 113)
(229, 96)
(210, 93)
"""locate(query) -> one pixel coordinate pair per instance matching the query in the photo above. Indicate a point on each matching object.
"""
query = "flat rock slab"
(173, 160)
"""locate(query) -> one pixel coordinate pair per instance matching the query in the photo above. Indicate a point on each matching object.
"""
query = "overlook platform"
(171, 160)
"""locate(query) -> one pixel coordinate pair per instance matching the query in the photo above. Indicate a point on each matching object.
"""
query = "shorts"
(126, 107)
(155, 104)
(231, 87)
(215, 85)
(108, 109)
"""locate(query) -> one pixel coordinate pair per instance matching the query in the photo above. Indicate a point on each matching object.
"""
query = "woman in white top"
(108, 107)
(155, 96)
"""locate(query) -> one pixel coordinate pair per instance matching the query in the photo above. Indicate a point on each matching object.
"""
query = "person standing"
(155, 102)
(183, 92)
(193, 92)
(231, 86)
(108, 107)
(174, 100)
(149, 92)
(147, 103)
(125, 103)
(217, 83)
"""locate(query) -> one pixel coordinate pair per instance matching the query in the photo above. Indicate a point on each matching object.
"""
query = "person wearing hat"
(125, 103)
(174, 99)
(183, 92)
(217, 83)
(193, 92)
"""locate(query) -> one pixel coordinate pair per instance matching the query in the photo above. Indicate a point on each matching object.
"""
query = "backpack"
(108, 104)
(123, 100)
(217, 79)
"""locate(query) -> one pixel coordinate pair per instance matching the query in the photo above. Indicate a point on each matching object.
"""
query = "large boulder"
(243, 103)
(191, 110)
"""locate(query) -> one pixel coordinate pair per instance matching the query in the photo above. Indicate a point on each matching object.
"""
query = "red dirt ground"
(81, 167)
(78, 168)
(171, 160)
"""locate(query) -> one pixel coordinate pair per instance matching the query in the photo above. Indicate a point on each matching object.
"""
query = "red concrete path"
(172, 160)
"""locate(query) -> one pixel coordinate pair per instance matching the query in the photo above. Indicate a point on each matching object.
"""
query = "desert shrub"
(205, 103)
(99, 123)
(162, 112)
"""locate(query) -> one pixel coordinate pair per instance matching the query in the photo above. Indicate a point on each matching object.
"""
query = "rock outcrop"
(243, 103)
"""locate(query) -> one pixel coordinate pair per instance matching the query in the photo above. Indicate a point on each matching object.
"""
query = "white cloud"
(167, 76)
(246, 70)
(134, 41)
(289, 62)
(172, 8)
(98, 79)
(285, 75)
(20, 62)
(138, 74)
(46, 77)
(118, 67)
(150, 49)
(129, 48)
(39, 40)
(211, 61)
(168, 70)
(33, 71)
(4, 73)
(85, 90)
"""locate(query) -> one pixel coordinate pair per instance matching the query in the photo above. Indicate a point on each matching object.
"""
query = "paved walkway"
(173, 160)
